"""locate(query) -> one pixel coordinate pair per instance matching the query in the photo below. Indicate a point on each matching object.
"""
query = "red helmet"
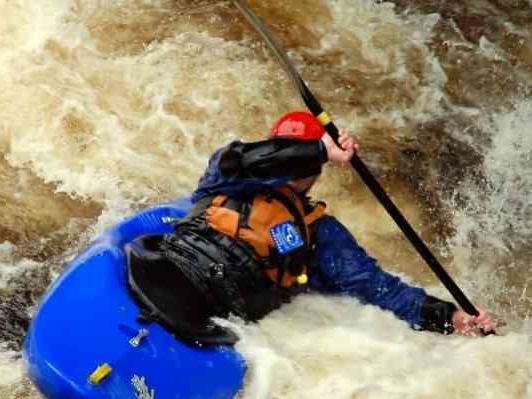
(298, 125)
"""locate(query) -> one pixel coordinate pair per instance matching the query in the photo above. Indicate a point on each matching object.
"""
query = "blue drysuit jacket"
(340, 266)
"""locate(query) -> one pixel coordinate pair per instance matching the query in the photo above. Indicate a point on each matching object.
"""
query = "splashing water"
(494, 227)
(107, 107)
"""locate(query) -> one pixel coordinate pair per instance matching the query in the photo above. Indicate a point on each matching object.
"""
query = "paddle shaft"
(317, 110)
(385, 200)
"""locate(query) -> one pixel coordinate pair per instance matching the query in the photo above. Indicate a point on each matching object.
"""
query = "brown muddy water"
(107, 107)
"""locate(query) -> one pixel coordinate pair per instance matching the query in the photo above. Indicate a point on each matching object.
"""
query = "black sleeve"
(273, 158)
(436, 315)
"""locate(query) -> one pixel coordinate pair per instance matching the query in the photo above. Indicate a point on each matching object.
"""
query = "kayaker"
(254, 239)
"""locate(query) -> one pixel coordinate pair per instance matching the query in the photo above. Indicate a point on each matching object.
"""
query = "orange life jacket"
(252, 223)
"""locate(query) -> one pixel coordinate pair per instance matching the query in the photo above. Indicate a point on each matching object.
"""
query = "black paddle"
(315, 107)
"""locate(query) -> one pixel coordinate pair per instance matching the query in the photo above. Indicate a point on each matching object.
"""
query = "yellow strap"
(100, 373)
(324, 118)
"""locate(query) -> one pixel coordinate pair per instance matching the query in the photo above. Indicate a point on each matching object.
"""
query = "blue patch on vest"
(286, 237)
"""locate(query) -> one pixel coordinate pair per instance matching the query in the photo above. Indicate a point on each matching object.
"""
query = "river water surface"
(107, 107)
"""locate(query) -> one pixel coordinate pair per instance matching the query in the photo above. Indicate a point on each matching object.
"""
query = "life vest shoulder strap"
(224, 216)
(219, 200)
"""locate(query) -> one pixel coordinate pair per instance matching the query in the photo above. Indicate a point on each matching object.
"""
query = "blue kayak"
(88, 341)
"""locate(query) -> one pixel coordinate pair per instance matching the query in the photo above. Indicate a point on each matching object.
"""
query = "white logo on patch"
(141, 388)
(290, 234)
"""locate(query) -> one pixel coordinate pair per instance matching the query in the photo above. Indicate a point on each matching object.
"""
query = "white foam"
(333, 347)
(26, 25)
(10, 266)
(133, 128)
(384, 42)
(493, 229)
(12, 368)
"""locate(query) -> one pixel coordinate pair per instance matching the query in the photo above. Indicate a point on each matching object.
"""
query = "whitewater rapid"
(107, 107)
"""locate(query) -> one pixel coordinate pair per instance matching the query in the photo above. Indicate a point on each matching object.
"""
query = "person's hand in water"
(465, 324)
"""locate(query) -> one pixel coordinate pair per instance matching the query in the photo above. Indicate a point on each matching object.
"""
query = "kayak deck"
(86, 329)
